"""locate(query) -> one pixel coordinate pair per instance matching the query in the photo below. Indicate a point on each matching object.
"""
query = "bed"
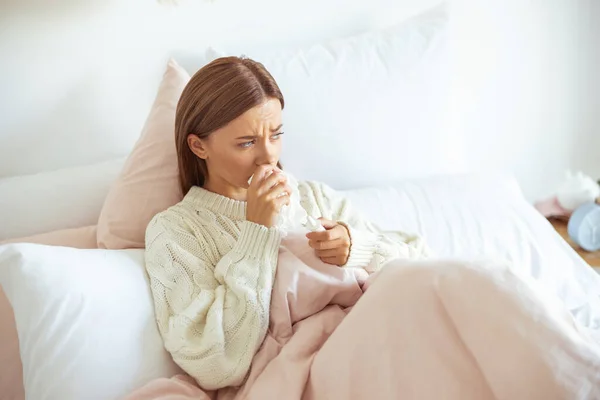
(76, 313)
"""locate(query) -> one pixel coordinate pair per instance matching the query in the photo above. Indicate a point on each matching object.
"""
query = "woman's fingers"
(274, 179)
(331, 260)
(325, 245)
(282, 201)
(278, 191)
(329, 253)
(324, 236)
(341, 254)
(259, 175)
(327, 223)
(331, 246)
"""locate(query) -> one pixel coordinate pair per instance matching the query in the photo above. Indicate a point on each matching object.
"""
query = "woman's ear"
(197, 146)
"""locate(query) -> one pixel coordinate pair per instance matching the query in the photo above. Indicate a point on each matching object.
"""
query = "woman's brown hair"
(217, 94)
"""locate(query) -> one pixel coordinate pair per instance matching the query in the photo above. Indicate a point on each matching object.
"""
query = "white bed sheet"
(487, 217)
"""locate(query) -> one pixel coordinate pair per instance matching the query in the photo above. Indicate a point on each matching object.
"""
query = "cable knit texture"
(212, 272)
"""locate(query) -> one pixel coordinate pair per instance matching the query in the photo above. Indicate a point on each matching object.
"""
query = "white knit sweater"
(211, 275)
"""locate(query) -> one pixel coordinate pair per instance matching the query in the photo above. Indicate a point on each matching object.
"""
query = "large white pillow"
(367, 109)
(53, 200)
(85, 321)
(376, 97)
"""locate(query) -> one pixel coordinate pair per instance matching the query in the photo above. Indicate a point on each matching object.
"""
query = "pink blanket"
(421, 330)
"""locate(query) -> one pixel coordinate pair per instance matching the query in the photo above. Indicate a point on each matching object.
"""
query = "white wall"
(590, 85)
(524, 86)
(81, 74)
(74, 80)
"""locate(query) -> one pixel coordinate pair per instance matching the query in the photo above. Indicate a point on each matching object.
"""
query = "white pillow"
(53, 200)
(85, 321)
(367, 109)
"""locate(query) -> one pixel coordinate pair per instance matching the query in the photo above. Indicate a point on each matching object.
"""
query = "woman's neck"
(225, 189)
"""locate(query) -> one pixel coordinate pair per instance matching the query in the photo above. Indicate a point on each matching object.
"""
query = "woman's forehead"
(257, 119)
(267, 112)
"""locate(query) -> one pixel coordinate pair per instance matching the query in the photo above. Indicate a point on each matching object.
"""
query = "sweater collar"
(200, 198)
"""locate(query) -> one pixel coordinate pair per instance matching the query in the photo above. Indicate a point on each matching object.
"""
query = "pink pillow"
(11, 369)
(149, 180)
(80, 238)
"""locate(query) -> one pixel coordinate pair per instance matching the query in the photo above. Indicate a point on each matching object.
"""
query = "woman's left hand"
(331, 245)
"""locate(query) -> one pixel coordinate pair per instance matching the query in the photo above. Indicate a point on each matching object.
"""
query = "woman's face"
(233, 152)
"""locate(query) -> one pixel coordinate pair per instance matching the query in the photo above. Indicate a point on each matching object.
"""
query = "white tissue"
(314, 225)
(576, 190)
(292, 217)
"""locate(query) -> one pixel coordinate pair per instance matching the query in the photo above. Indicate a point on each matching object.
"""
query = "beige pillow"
(149, 180)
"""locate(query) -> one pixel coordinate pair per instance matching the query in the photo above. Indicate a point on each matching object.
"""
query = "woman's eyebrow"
(250, 137)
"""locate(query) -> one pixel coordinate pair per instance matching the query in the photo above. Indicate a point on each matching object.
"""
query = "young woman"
(212, 257)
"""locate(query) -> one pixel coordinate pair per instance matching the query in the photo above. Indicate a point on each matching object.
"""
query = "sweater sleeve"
(212, 314)
(370, 246)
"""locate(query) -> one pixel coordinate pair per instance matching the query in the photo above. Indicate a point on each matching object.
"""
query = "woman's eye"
(246, 145)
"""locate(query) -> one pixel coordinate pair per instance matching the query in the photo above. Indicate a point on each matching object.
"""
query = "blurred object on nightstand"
(575, 190)
(561, 226)
(584, 226)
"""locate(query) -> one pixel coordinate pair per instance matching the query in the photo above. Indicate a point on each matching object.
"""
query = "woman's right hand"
(266, 195)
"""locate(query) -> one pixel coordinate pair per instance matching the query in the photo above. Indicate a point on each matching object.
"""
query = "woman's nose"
(268, 156)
